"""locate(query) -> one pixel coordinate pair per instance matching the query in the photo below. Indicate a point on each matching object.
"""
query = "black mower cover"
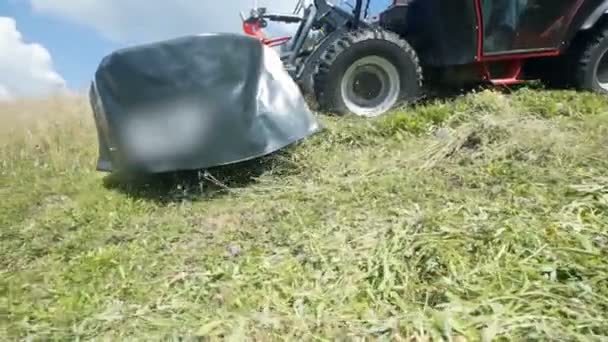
(193, 103)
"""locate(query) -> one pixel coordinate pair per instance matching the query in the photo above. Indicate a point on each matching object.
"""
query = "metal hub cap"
(601, 72)
(371, 86)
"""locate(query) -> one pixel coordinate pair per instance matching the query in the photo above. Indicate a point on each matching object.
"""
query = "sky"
(53, 46)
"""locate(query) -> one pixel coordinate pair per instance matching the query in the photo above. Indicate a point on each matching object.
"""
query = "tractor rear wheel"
(367, 72)
(591, 64)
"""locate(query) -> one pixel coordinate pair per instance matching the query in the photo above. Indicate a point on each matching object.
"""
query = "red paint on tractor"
(512, 74)
(254, 29)
(480, 32)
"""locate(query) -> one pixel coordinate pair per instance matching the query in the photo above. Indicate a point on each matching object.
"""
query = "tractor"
(351, 62)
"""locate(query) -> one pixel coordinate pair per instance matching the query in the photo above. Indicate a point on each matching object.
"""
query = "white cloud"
(4, 93)
(128, 21)
(26, 69)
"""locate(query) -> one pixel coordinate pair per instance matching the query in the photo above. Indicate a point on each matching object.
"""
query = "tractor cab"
(495, 35)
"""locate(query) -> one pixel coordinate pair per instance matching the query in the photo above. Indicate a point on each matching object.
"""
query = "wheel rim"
(601, 73)
(371, 86)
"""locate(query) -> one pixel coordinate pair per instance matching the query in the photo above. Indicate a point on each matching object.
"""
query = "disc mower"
(353, 63)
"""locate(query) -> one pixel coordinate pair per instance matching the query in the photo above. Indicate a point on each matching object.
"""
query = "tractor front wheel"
(367, 72)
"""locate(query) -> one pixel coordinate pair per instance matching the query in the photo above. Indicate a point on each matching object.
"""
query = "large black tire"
(591, 62)
(395, 61)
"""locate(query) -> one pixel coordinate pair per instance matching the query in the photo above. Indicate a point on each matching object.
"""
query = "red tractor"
(354, 64)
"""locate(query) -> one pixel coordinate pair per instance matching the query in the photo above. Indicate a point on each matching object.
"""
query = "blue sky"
(76, 50)
(79, 33)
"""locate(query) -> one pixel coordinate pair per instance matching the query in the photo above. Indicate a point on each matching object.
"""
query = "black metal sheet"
(195, 102)
(443, 32)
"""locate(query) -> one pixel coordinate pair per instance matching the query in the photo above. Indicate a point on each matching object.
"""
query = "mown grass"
(479, 218)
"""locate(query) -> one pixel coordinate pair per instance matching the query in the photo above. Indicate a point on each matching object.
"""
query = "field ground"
(478, 218)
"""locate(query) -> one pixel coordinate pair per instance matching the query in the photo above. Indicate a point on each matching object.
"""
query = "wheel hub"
(368, 84)
(371, 86)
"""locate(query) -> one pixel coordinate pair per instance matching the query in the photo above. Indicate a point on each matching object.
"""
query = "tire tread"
(584, 59)
(345, 42)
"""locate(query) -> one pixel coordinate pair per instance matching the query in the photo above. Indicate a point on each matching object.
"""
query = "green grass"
(479, 218)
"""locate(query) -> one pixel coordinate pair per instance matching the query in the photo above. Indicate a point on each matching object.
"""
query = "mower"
(353, 63)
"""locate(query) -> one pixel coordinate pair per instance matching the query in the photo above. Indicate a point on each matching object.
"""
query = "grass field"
(477, 218)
